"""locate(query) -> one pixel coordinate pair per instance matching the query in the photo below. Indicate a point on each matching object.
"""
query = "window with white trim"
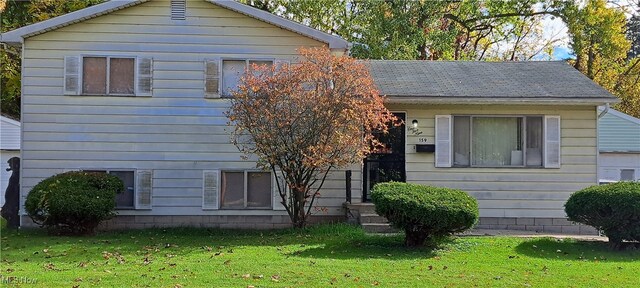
(234, 69)
(245, 190)
(497, 141)
(126, 198)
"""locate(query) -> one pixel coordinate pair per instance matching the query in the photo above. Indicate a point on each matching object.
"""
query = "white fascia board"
(16, 36)
(335, 42)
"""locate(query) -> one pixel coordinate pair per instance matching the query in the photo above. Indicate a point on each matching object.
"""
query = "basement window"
(245, 190)
(124, 199)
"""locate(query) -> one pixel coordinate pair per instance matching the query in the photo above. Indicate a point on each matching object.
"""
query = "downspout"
(606, 109)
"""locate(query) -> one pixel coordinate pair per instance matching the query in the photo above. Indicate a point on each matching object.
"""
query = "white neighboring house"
(9, 147)
(619, 146)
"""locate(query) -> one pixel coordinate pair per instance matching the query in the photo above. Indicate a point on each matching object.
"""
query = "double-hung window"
(497, 141)
(245, 190)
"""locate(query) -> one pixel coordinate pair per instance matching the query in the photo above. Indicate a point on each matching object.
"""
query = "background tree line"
(604, 36)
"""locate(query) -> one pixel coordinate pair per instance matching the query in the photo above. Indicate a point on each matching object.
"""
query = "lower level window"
(627, 175)
(124, 199)
(486, 141)
(245, 189)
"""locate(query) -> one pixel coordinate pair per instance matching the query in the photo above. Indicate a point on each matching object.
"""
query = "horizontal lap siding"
(9, 136)
(611, 165)
(618, 134)
(516, 192)
(176, 133)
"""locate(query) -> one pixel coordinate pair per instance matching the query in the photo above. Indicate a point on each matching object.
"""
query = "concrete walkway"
(530, 234)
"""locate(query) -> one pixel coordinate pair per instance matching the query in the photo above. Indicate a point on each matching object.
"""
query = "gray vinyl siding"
(176, 132)
(510, 192)
(618, 134)
(9, 135)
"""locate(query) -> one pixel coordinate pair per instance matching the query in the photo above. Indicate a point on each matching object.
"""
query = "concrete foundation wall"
(224, 222)
(540, 225)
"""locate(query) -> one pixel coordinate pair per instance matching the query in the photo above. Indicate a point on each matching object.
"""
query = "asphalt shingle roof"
(473, 79)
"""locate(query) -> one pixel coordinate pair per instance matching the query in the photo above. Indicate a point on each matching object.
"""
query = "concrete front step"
(372, 218)
(378, 228)
(363, 208)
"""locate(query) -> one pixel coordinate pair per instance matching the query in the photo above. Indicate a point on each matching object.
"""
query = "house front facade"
(139, 89)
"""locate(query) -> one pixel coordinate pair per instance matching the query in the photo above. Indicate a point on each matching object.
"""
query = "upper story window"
(108, 76)
(222, 76)
(233, 70)
(497, 141)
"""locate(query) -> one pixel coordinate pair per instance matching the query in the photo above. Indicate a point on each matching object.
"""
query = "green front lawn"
(322, 256)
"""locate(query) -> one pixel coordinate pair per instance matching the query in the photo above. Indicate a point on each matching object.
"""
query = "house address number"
(422, 140)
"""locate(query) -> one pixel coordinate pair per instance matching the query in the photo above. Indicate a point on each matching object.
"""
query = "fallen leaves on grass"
(50, 267)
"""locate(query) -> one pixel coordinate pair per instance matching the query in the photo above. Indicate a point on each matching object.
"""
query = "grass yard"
(338, 255)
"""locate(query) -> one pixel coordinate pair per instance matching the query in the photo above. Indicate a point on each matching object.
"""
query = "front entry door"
(387, 165)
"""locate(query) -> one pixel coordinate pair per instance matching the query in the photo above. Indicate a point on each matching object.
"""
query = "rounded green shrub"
(425, 213)
(73, 202)
(612, 208)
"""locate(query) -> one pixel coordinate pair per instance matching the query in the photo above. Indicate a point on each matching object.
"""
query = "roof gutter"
(518, 101)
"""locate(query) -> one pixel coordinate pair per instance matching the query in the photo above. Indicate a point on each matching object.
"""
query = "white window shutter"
(212, 78)
(278, 178)
(210, 189)
(443, 141)
(552, 148)
(144, 77)
(71, 75)
(144, 189)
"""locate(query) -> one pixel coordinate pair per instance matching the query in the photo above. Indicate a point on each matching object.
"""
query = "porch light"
(414, 123)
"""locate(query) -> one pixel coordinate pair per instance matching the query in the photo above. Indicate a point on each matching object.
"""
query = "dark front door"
(388, 164)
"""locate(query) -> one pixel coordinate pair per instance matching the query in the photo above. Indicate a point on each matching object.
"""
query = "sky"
(553, 26)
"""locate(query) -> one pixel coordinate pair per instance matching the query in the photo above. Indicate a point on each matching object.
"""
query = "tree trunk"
(414, 238)
(578, 63)
(590, 59)
(299, 216)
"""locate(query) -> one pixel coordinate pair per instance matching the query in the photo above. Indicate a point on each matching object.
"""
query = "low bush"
(425, 213)
(612, 208)
(73, 202)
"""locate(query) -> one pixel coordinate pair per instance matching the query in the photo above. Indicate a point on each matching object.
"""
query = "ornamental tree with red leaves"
(306, 119)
